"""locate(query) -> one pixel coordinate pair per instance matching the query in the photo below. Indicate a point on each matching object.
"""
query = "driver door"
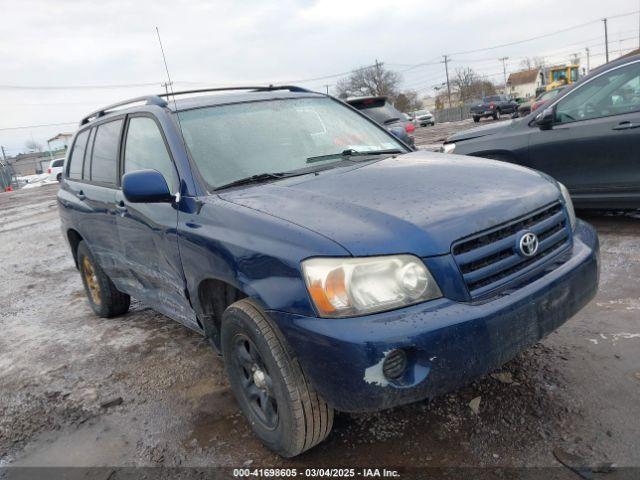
(593, 146)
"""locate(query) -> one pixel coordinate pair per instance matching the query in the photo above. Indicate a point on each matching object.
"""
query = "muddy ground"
(60, 367)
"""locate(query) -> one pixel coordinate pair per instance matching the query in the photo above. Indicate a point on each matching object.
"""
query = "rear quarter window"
(57, 163)
(104, 163)
(77, 156)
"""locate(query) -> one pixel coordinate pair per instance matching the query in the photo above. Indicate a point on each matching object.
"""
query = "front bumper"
(448, 343)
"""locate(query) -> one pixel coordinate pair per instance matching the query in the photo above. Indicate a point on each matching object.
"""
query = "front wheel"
(476, 119)
(282, 407)
(496, 115)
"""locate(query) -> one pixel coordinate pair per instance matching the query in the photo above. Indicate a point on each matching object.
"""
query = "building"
(60, 142)
(525, 83)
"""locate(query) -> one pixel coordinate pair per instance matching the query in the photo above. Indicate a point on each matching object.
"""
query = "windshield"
(233, 142)
(384, 113)
(494, 98)
(423, 112)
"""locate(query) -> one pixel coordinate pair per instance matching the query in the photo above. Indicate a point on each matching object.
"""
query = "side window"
(57, 163)
(145, 149)
(77, 156)
(86, 171)
(104, 161)
(613, 93)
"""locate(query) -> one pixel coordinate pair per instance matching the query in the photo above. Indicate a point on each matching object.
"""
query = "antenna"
(169, 84)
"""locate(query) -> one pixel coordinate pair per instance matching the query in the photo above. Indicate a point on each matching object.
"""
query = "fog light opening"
(395, 364)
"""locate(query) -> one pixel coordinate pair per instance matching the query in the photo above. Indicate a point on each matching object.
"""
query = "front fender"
(254, 252)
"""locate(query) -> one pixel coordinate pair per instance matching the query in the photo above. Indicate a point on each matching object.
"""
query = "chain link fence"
(453, 114)
(6, 176)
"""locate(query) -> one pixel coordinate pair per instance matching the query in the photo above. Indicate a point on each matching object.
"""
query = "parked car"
(382, 111)
(587, 138)
(56, 166)
(493, 106)
(424, 118)
(533, 105)
(332, 268)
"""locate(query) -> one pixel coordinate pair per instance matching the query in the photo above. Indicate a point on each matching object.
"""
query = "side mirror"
(544, 119)
(146, 186)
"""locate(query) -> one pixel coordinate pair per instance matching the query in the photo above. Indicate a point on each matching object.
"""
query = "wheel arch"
(74, 239)
(213, 297)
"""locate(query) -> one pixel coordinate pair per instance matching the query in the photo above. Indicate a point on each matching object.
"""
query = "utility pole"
(327, 88)
(606, 40)
(377, 82)
(446, 69)
(4, 156)
(504, 71)
(588, 60)
(166, 86)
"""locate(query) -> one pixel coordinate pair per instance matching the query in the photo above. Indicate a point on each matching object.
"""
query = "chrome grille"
(489, 260)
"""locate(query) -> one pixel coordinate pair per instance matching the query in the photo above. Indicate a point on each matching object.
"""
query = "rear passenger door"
(91, 180)
(148, 232)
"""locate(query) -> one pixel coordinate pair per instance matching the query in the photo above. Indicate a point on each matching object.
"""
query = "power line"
(38, 126)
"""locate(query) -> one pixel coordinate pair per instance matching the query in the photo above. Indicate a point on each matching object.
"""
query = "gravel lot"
(143, 390)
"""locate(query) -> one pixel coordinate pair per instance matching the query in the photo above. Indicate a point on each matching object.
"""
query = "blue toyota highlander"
(331, 266)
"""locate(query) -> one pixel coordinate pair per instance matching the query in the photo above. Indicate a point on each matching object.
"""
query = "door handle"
(626, 126)
(121, 207)
(81, 195)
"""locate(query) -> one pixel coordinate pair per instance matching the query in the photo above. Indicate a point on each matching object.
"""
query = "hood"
(482, 131)
(415, 203)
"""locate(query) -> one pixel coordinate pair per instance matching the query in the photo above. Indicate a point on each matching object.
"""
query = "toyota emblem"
(528, 244)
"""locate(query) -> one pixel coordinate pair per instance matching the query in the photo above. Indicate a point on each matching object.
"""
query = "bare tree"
(470, 85)
(374, 80)
(33, 146)
(464, 80)
(532, 63)
(408, 101)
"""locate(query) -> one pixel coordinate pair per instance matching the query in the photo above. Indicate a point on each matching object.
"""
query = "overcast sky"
(47, 46)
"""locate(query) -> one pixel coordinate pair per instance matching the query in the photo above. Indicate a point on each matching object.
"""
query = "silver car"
(424, 118)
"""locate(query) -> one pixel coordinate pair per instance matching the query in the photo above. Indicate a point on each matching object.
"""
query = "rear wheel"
(476, 119)
(282, 407)
(105, 299)
(59, 177)
(496, 115)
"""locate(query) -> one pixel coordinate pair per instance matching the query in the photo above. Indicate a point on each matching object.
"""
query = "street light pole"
(446, 69)
(504, 71)
(588, 60)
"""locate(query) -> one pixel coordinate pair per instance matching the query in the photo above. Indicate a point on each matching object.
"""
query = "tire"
(105, 299)
(496, 115)
(59, 177)
(259, 366)
(476, 119)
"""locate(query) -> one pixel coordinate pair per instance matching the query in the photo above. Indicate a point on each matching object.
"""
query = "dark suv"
(382, 111)
(332, 267)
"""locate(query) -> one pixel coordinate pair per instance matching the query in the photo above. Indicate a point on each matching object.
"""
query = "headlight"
(344, 287)
(569, 205)
(448, 147)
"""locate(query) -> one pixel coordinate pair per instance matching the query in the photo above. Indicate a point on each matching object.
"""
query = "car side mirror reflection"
(146, 186)
(544, 119)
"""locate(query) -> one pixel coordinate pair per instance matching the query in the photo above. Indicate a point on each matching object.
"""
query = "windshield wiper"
(350, 152)
(258, 178)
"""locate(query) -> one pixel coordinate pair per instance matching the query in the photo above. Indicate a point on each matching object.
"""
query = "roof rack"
(263, 88)
(148, 99)
(160, 102)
